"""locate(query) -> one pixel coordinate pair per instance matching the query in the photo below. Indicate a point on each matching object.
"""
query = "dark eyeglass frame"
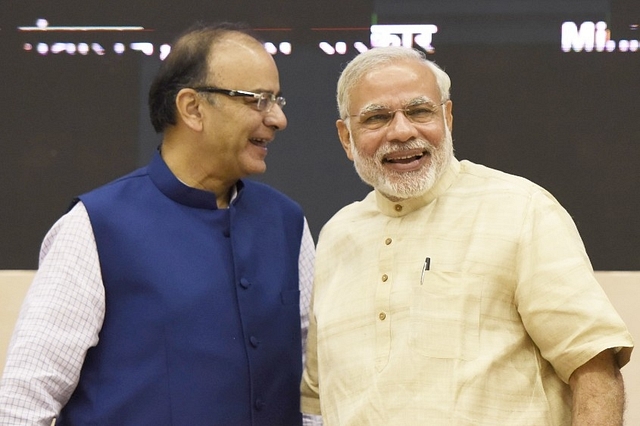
(420, 112)
(265, 100)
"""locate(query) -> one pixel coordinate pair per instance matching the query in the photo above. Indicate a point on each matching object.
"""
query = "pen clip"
(425, 267)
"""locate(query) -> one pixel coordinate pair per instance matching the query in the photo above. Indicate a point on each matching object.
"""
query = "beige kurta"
(488, 335)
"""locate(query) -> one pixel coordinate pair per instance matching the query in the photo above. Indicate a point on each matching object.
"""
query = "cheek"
(368, 145)
(435, 135)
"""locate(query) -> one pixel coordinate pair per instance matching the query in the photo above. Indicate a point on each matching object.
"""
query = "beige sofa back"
(13, 287)
(623, 288)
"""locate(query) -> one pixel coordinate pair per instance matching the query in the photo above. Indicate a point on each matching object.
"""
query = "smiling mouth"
(259, 142)
(406, 159)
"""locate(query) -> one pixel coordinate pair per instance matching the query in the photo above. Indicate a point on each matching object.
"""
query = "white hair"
(369, 60)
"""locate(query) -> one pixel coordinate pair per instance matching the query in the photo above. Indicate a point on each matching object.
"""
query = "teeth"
(408, 157)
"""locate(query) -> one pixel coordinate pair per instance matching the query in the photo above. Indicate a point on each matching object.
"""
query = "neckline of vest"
(167, 183)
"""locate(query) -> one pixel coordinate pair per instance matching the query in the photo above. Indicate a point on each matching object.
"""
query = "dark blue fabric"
(202, 321)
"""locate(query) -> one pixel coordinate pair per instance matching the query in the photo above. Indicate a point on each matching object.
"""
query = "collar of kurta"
(164, 179)
(404, 207)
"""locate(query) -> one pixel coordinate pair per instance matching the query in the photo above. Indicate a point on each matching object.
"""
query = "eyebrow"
(413, 102)
(372, 108)
(419, 101)
(279, 93)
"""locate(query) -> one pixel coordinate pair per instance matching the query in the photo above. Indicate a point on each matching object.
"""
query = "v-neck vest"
(202, 323)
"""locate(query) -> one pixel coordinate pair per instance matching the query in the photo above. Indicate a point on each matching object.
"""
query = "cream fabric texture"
(489, 335)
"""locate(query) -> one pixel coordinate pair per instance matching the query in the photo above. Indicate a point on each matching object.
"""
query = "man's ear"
(449, 114)
(343, 134)
(188, 105)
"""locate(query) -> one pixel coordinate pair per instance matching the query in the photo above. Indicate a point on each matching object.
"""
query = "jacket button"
(259, 404)
(254, 341)
(244, 283)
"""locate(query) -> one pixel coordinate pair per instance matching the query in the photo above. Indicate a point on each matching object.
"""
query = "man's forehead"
(242, 62)
(403, 67)
(400, 81)
(236, 53)
(410, 101)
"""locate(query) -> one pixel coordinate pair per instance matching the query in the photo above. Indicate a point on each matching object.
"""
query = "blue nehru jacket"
(202, 323)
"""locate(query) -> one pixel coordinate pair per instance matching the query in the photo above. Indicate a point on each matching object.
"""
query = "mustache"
(392, 147)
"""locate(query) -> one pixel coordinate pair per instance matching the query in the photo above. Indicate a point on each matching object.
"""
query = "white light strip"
(82, 28)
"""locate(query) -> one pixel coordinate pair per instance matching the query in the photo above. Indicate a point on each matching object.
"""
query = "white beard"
(403, 185)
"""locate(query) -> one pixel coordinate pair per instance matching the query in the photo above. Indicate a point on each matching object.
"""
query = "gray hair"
(371, 59)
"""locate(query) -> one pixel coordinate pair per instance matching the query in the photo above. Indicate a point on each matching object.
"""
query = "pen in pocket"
(425, 267)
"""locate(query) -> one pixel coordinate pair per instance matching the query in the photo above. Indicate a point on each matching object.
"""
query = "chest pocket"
(445, 315)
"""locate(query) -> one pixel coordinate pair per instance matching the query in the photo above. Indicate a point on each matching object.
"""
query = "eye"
(375, 117)
(420, 112)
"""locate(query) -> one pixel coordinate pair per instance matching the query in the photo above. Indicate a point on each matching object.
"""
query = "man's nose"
(400, 128)
(275, 118)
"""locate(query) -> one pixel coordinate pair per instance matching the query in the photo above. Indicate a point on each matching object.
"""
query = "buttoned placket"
(385, 276)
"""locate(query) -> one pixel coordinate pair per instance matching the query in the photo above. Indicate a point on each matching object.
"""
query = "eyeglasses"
(263, 101)
(419, 113)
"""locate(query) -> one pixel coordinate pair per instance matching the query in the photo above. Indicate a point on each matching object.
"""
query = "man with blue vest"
(178, 294)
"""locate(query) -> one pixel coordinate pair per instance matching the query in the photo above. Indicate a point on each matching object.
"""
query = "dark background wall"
(568, 121)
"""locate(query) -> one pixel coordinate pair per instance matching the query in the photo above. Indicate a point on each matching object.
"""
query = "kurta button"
(254, 341)
(259, 404)
(387, 241)
(385, 278)
(382, 316)
(244, 283)
(398, 207)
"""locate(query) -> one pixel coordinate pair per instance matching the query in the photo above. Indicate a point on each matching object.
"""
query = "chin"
(404, 187)
(257, 169)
